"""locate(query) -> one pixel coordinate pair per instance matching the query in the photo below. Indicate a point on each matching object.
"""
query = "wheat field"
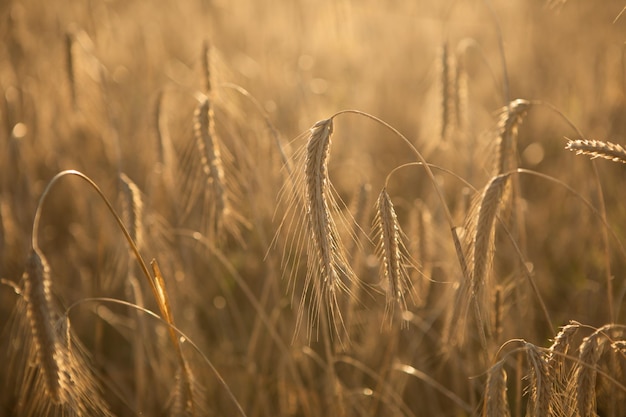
(330, 208)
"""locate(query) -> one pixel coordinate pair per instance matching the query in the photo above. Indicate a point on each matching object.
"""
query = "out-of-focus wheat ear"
(209, 148)
(481, 231)
(327, 266)
(69, 67)
(540, 382)
(207, 67)
(421, 249)
(559, 350)
(597, 149)
(495, 402)
(461, 94)
(392, 253)
(167, 164)
(586, 372)
(49, 350)
(445, 93)
(132, 209)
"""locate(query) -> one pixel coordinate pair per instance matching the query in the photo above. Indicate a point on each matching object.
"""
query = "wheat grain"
(597, 149)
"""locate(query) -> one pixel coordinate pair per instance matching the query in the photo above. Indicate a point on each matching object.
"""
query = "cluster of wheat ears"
(173, 254)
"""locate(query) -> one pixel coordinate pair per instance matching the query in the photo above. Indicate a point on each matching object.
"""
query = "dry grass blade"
(495, 403)
(392, 253)
(597, 149)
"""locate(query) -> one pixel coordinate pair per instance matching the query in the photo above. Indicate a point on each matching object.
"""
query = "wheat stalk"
(597, 149)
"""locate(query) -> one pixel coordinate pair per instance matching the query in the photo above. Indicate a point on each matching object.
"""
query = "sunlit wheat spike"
(212, 167)
(510, 119)
(328, 266)
(586, 372)
(132, 209)
(597, 149)
(49, 350)
(391, 252)
(495, 403)
(559, 349)
(482, 231)
(540, 382)
(58, 379)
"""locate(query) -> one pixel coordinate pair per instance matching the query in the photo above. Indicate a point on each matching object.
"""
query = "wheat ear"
(212, 168)
(481, 233)
(511, 117)
(495, 402)
(39, 308)
(328, 264)
(132, 203)
(586, 371)
(392, 252)
(541, 386)
(597, 149)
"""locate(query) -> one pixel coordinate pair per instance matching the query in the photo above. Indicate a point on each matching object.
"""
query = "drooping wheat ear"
(207, 67)
(495, 402)
(540, 383)
(586, 372)
(57, 379)
(511, 117)
(392, 253)
(559, 350)
(212, 168)
(597, 149)
(50, 357)
(480, 243)
(132, 212)
(328, 267)
(166, 158)
(447, 102)
(461, 93)
(421, 249)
